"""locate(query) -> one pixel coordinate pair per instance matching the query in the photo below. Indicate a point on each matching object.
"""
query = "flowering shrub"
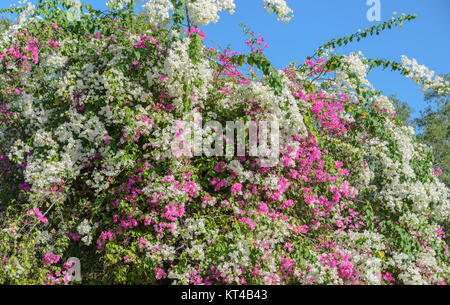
(93, 103)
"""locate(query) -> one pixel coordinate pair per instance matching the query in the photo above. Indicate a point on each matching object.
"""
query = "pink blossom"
(160, 274)
(50, 258)
(236, 188)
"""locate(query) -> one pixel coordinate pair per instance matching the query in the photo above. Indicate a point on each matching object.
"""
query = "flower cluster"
(158, 11)
(424, 76)
(284, 13)
(202, 12)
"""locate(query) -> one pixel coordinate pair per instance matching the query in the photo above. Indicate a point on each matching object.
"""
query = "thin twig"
(188, 19)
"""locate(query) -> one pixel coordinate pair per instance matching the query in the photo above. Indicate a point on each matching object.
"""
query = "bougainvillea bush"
(95, 113)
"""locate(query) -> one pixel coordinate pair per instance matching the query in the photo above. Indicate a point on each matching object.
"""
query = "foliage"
(434, 124)
(402, 109)
(4, 24)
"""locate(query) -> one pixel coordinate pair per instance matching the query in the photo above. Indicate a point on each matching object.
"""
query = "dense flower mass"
(421, 74)
(96, 113)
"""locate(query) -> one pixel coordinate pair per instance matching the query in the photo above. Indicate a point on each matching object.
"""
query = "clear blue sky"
(426, 38)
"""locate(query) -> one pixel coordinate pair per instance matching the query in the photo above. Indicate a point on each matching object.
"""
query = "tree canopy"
(99, 164)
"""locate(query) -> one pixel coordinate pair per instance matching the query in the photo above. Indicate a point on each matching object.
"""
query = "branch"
(188, 19)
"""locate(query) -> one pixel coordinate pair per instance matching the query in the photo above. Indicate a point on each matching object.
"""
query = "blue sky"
(426, 38)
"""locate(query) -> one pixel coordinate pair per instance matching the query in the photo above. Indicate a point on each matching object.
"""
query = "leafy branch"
(376, 29)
